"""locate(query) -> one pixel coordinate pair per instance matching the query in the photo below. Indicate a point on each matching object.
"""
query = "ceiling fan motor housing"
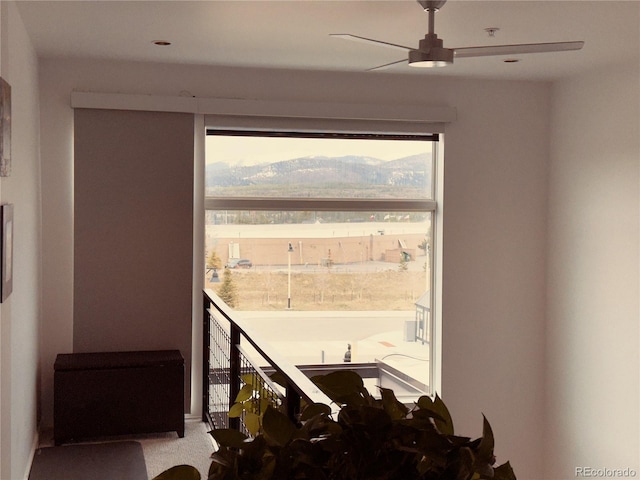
(431, 53)
(434, 5)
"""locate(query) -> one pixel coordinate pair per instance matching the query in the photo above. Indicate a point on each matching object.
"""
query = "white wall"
(20, 313)
(496, 169)
(593, 264)
(496, 160)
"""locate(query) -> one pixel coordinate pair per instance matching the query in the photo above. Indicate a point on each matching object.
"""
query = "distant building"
(423, 318)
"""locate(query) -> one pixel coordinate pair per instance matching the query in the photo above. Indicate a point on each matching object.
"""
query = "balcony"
(238, 357)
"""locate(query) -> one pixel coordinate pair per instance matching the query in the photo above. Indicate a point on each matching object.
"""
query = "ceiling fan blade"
(516, 49)
(356, 38)
(387, 65)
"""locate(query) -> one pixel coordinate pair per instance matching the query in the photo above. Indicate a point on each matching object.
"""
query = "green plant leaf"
(504, 472)
(248, 378)
(423, 465)
(277, 426)
(319, 428)
(229, 437)
(314, 409)
(216, 469)
(268, 466)
(441, 416)
(252, 422)
(179, 472)
(263, 405)
(278, 378)
(421, 417)
(445, 426)
(391, 405)
(461, 468)
(224, 463)
(343, 386)
(484, 454)
(245, 393)
(374, 421)
(236, 410)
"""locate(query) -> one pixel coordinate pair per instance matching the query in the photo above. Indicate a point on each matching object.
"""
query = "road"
(290, 326)
(370, 266)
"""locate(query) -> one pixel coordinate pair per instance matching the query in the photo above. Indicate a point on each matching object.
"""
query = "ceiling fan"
(431, 52)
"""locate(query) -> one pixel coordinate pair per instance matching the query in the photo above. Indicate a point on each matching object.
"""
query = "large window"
(327, 240)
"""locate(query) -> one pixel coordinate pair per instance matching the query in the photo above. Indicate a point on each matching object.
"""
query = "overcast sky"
(252, 150)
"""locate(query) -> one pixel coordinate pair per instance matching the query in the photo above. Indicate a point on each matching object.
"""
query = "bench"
(118, 393)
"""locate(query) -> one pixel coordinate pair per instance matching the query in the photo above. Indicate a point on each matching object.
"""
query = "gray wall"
(133, 240)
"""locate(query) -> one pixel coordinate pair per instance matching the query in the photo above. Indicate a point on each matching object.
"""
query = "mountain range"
(410, 171)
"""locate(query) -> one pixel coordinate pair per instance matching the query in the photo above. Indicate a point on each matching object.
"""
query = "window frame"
(431, 205)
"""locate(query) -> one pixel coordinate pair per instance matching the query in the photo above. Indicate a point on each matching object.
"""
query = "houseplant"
(371, 439)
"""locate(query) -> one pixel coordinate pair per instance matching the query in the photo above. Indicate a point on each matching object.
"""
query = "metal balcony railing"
(235, 356)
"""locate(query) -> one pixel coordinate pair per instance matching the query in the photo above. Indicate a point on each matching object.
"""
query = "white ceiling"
(295, 33)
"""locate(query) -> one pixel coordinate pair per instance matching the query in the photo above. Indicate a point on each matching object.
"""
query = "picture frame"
(6, 236)
(5, 128)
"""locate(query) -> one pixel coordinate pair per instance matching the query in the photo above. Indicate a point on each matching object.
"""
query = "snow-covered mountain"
(411, 171)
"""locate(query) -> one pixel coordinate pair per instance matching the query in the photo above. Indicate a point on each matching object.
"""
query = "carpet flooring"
(99, 461)
(161, 451)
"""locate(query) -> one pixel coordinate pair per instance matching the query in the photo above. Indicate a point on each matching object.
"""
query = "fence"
(235, 358)
(238, 364)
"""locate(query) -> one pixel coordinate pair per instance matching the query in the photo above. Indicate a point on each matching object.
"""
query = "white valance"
(255, 114)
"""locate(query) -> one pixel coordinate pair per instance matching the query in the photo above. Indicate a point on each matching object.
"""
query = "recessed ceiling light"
(161, 43)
